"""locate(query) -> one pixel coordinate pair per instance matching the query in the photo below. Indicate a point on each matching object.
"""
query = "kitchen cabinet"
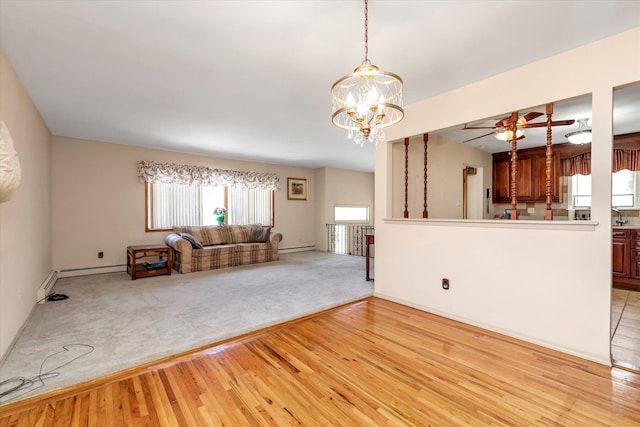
(620, 253)
(532, 176)
(626, 258)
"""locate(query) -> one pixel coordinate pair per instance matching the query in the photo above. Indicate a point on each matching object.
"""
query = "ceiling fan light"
(507, 134)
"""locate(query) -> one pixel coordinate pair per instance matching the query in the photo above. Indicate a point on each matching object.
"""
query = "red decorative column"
(406, 177)
(548, 213)
(425, 138)
(514, 165)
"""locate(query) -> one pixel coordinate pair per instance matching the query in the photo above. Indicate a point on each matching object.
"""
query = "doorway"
(472, 193)
(625, 297)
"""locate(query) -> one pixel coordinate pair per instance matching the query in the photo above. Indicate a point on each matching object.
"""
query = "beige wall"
(445, 160)
(545, 283)
(98, 202)
(25, 221)
(341, 187)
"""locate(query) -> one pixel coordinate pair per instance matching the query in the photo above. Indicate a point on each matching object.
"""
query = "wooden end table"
(369, 240)
(138, 254)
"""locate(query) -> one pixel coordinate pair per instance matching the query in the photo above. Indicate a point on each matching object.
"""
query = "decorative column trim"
(425, 212)
(514, 166)
(406, 177)
(548, 213)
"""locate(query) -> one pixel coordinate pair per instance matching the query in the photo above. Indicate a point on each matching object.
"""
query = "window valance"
(580, 164)
(626, 159)
(171, 173)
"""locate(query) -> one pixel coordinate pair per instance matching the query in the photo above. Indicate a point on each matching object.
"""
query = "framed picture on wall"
(297, 189)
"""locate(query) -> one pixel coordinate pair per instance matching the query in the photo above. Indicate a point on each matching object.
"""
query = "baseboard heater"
(86, 271)
(47, 286)
(296, 249)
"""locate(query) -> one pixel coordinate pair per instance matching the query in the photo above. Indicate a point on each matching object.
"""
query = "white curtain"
(175, 204)
(249, 206)
(260, 200)
(238, 205)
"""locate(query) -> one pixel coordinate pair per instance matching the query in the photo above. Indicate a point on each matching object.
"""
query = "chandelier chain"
(366, 32)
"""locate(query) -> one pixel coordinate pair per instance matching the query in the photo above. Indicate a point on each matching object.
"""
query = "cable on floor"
(24, 386)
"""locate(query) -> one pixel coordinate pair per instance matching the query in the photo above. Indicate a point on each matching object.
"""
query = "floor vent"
(46, 287)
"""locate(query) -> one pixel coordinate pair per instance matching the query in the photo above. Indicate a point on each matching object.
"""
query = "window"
(193, 204)
(623, 189)
(345, 213)
(581, 190)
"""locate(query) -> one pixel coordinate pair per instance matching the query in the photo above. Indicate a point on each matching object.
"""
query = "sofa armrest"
(178, 244)
(275, 240)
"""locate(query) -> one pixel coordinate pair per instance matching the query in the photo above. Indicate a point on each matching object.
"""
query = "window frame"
(147, 209)
(338, 205)
(635, 206)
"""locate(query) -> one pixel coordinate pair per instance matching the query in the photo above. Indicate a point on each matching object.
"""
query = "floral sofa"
(195, 248)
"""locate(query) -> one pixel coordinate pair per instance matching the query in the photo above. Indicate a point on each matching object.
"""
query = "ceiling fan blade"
(477, 127)
(562, 122)
(532, 115)
(535, 125)
(478, 137)
(544, 124)
(503, 122)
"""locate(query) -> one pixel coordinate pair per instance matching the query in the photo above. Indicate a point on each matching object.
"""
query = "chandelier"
(367, 100)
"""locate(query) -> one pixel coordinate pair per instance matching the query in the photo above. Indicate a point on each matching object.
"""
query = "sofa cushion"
(239, 233)
(251, 253)
(212, 257)
(217, 235)
(259, 234)
(194, 230)
(195, 243)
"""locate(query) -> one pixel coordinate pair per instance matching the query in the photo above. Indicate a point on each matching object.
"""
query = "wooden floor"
(371, 363)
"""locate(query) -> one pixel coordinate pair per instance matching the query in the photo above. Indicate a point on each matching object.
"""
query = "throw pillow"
(195, 243)
(259, 234)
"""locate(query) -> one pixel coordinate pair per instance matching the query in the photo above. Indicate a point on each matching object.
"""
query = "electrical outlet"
(445, 284)
(100, 254)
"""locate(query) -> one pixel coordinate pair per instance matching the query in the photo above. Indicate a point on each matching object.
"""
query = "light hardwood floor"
(625, 329)
(370, 363)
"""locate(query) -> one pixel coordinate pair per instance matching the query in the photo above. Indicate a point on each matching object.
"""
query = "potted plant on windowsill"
(220, 214)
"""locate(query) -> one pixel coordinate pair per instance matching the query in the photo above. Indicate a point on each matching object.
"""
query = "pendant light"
(367, 100)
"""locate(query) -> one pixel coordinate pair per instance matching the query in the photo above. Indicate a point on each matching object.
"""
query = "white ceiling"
(251, 79)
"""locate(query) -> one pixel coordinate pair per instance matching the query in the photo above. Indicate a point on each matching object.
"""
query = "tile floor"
(625, 329)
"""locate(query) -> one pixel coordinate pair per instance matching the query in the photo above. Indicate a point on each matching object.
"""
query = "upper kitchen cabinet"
(532, 176)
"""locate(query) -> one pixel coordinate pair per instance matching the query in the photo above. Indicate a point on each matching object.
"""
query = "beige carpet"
(110, 322)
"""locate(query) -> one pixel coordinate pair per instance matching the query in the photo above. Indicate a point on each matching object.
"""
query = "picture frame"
(297, 189)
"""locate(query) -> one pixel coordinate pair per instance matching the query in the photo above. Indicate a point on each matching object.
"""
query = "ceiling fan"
(503, 128)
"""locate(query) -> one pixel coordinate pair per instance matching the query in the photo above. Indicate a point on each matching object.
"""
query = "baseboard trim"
(297, 249)
(47, 285)
(87, 271)
(525, 338)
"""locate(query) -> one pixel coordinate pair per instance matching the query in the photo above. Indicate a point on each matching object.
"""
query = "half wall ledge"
(498, 223)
